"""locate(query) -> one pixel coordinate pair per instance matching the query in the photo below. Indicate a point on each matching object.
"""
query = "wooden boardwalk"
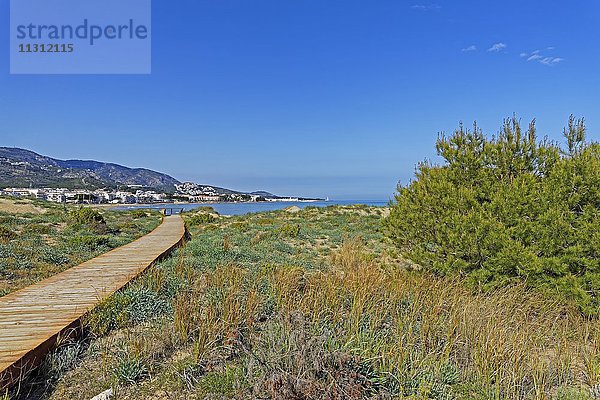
(32, 318)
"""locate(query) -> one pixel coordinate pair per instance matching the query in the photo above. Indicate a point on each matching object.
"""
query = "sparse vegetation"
(330, 313)
(34, 246)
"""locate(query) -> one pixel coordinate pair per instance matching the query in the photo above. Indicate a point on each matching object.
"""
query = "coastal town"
(186, 192)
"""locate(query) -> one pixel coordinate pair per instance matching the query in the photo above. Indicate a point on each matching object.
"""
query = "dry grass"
(359, 330)
(410, 326)
(516, 343)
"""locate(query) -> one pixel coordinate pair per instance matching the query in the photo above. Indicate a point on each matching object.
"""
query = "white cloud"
(496, 47)
(551, 60)
(542, 59)
(426, 7)
(470, 48)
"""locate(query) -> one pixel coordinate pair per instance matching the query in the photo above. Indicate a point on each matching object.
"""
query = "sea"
(249, 208)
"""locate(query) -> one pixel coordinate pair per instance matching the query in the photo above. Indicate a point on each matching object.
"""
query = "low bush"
(6, 251)
(88, 217)
(289, 230)
(241, 226)
(202, 218)
(90, 242)
(54, 256)
(40, 229)
(139, 213)
(220, 382)
(507, 209)
(206, 209)
(6, 234)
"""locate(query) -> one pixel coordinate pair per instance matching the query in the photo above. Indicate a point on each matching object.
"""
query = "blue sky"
(313, 97)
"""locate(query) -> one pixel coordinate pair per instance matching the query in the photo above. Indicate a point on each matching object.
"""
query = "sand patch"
(20, 207)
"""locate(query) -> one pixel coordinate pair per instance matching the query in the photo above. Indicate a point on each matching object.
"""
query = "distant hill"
(24, 168)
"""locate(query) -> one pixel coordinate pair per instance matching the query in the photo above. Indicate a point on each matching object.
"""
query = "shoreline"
(242, 208)
(108, 205)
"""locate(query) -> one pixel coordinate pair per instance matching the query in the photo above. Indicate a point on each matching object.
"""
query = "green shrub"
(23, 263)
(206, 209)
(241, 226)
(53, 256)
(289, 230)
(6, 251)
(199, 219)
(91, 242)
(507, 209)
(6, 234)
(86, 216)
(210, 228)
(40, 229)
(3, 268)
(139, 213)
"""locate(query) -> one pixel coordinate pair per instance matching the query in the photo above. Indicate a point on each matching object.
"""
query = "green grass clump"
(62, 360)
(39, 229)
(133, 305)
(573, 394)
(205, 209)
(507, 210)
(130, 370)
(221, 382)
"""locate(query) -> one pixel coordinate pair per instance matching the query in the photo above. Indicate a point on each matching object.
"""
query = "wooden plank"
(33, 317)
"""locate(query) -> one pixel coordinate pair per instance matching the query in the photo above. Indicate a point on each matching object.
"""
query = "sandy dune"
(20, 207)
